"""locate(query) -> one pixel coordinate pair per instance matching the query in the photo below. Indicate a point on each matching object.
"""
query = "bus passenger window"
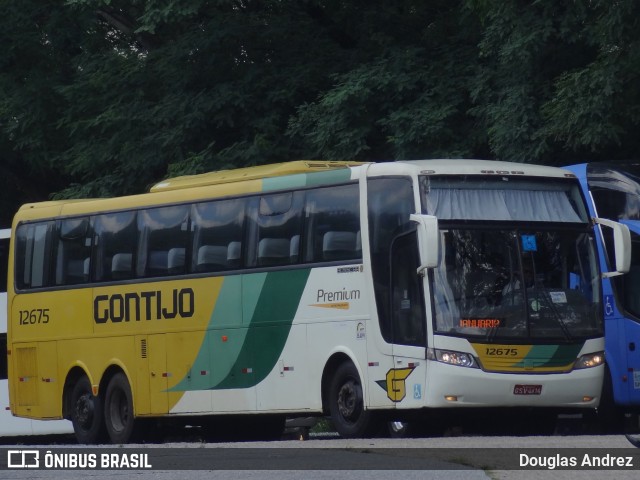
(216, 235)
(333, 224)
(73, 251)
(278, 223)
(116, 241)
(162, 230)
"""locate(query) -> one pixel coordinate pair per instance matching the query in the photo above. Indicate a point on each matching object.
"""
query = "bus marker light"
(167, 375)
(451, 398)
(587, 398)
(94, 390)
(204, 372)
(247, 370)
(225, 338)
(374, 364)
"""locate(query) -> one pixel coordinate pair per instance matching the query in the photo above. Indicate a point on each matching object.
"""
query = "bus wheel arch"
(85, 410)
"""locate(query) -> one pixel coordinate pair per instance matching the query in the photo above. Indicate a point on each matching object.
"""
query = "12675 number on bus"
(34, 317)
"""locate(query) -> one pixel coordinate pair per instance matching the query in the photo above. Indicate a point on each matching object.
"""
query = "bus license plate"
(527, 390)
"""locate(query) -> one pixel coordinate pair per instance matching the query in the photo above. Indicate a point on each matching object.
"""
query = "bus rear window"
(33, 255)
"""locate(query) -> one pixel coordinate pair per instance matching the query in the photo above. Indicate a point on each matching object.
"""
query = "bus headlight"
(590, 360)
(452, 358)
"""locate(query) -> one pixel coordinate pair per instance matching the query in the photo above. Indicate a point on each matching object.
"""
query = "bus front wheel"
(86, 413)
(346, 404)
(118, 409)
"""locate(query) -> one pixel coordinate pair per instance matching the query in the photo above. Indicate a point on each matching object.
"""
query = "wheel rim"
(350, 400)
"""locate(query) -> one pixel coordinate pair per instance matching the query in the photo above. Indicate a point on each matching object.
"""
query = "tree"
(557, 83)
(408, 96)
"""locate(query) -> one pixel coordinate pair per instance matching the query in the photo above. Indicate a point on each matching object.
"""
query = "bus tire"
(346, 404)
(118, 409)
(86, 413)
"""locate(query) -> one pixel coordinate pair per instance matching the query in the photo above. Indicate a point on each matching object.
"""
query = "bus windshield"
(517, 261)
(517, 283)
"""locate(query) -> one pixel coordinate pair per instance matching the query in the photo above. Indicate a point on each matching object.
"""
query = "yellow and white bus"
(362, 291)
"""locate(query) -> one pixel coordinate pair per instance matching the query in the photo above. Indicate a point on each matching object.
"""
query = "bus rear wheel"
(86, 413)
(346, 404)
(118, 409)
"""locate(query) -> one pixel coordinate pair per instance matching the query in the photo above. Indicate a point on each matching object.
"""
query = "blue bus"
(612, 191)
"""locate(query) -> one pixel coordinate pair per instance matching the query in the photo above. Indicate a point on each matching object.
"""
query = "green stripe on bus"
(268, 329)
(564, 355)
(550, 356)
(244, 340)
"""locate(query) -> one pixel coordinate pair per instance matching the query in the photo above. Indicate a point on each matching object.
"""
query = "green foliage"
(556, 83)
(105, 97)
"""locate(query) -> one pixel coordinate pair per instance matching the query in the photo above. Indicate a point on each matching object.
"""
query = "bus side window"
(163, 238)
(73, 251)
(115, 246)
(33, 255)
(278, 222)
(216, 235)
(333, 224)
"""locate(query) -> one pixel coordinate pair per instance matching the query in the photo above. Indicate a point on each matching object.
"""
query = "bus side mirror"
(428, 237)
(622, 246)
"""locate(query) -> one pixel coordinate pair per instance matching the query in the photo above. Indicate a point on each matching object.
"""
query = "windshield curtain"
(517, 284)
(517, 205)
(497, 199)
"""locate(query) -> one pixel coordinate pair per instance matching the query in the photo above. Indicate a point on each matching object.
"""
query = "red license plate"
(527, 390)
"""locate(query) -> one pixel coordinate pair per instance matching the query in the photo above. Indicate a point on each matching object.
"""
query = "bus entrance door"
(408, 324)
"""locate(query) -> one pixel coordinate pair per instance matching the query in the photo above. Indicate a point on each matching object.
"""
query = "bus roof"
(250, 173)
(484, 167)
